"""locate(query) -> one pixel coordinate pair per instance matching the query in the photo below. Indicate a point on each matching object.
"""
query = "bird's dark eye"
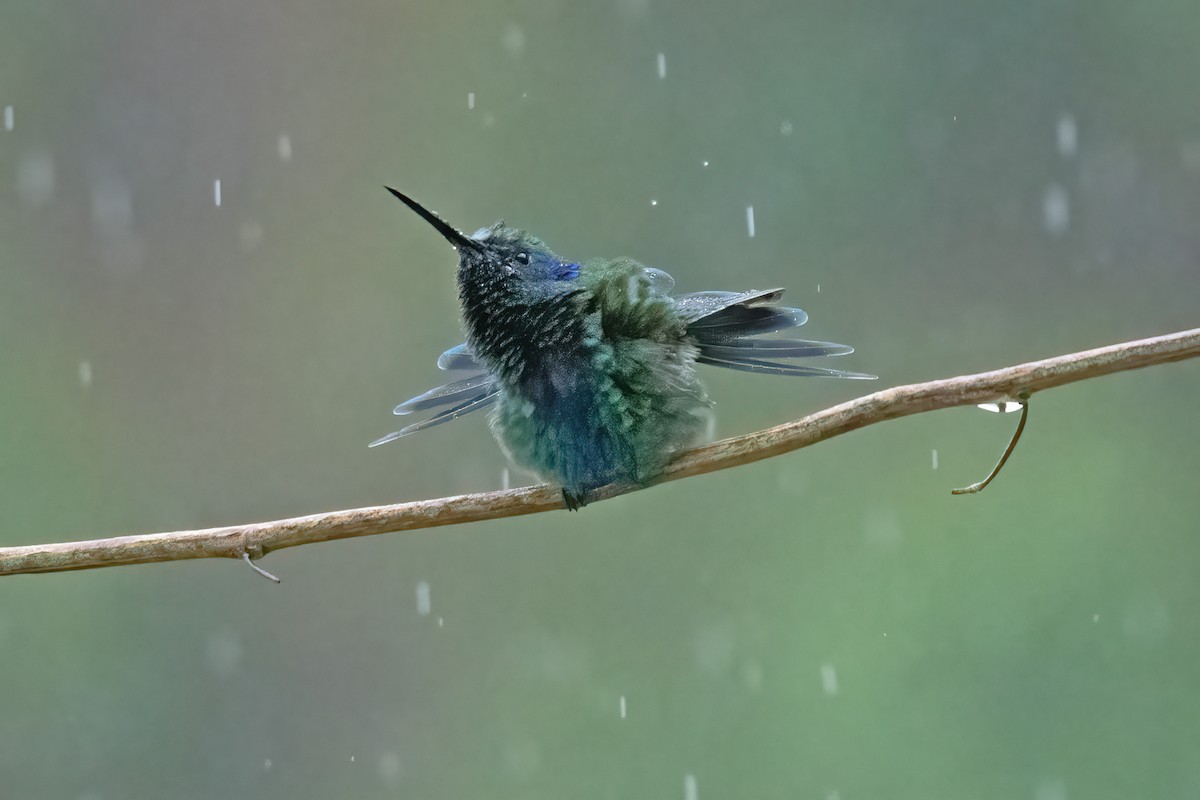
(522, 258)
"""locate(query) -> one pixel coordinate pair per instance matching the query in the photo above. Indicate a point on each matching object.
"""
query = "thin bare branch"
(257, 539)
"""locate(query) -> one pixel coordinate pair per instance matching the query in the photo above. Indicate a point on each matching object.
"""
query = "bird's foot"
(574, 500)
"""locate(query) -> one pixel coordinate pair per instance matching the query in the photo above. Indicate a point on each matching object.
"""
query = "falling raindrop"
(689, 788)
(714, 648)
(250, 236)
(750, 221)
(513, 39)
(1050, 789)
(470, 101)
(523, 758)
(1008, 408)
(622, 706)
(1056, 210)
(217, 192)
(882, 531)
(634, 8)
(223, 651)
(8, 118)
(112, 206)
(662, 66)
(752, 674)
(35, 179)
(85, 374)
(829, 679)
(710, 425)
(1146, 619)
(284, 146)
(1189, 154)
(121, 250)
(1067, 136)
(389, 767)
(935, 458)
(423, 602)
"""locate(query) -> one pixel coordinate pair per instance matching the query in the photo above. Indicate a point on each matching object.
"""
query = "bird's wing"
(769, 367)
(454, 399)
(459, 357)
(631, 300)
(660, 282)
(448, 394)
(705, 310)
(727, 327)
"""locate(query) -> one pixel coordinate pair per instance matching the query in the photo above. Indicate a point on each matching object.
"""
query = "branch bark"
(257, 539)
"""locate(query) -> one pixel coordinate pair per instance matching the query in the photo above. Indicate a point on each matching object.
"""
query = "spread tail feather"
(726, 327)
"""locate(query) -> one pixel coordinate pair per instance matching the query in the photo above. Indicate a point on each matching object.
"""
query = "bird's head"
(499, 254)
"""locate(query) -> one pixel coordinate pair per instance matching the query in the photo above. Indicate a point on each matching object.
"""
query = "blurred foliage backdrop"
(950, 186)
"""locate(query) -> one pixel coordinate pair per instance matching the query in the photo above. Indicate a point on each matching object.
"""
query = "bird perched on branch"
(589, 368)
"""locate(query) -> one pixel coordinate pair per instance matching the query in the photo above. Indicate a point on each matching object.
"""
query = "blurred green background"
(950, 186)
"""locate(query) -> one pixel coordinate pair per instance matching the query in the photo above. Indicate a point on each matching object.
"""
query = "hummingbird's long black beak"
(453, 235)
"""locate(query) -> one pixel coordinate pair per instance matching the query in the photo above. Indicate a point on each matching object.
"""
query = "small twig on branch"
(250, 562)
(979, 486)
(255, 540)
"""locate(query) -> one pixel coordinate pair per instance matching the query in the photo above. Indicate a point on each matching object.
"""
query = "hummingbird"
(589, 368)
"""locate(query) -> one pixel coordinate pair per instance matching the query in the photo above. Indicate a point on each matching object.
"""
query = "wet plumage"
(589, 368)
